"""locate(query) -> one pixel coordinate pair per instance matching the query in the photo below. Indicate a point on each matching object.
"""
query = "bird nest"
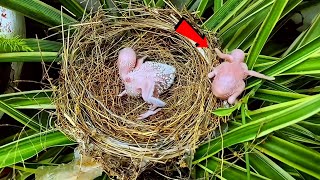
(104, 124)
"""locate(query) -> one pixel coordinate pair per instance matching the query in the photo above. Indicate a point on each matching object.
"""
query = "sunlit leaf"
(19, 116)
(27, 147)
(29, 57)
(39, 11)
(223, 14)
(229, 170)
(266, 167)
(226, 111)
(38, 99)
(260, 127)
(293, 154)
(265, 31)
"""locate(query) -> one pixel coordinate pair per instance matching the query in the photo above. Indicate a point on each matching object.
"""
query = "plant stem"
(243, 117)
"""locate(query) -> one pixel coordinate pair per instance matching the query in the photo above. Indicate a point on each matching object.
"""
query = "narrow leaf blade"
(260, 127)
(265, 30)
(293, 154)
(29, 146)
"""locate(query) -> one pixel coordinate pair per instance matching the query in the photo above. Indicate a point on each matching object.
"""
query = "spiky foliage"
(15, 44)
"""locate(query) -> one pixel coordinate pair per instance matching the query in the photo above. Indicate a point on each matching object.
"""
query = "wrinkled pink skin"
(228, 82)
(147, 79)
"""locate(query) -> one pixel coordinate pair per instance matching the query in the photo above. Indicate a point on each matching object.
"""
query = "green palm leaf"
(260, 127)
(29, 57)
(293, 154)
(229, 170)
(19, 116)
(265, 31)
(38, 99)
(38, 11)
(223, 14)
(266, 167)
(29, 146)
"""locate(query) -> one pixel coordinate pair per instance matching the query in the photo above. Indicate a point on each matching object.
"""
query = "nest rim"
(75, 118)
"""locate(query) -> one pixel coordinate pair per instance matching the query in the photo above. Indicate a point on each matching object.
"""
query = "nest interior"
(90, 112)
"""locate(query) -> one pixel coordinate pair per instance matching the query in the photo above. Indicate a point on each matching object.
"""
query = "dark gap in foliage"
(4, 76)
(286, 33)
(9, 127)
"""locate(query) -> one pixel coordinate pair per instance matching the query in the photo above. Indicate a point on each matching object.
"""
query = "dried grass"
(105, 125)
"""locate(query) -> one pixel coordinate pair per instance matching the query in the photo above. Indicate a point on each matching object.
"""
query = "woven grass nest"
(105, 125)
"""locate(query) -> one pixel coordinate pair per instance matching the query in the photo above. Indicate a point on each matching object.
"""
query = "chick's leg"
(147, 91)
(232, 99)
(148, 113)
(212, 73)
(123, 93)
(156, 95)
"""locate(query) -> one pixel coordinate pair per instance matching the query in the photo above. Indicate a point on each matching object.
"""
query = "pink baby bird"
(146, 79)
(126, 61)
(228, 82)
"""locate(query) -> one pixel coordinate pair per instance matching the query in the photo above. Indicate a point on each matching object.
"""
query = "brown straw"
(105, 125)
